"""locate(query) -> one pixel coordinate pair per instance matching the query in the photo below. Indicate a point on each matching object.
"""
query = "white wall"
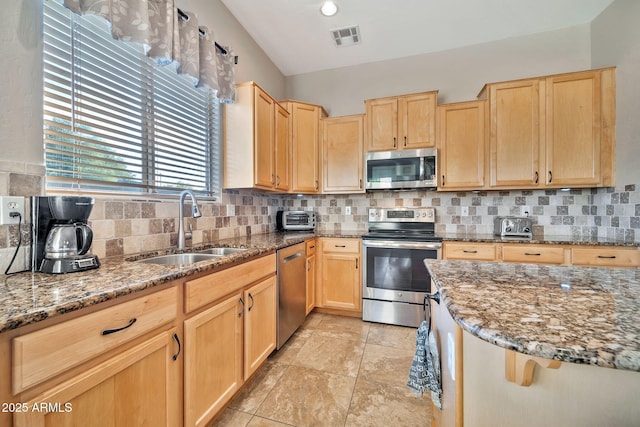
(458, 74)
(21, 81)
(615, 40)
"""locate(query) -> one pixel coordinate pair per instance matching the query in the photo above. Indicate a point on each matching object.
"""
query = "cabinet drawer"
(470, 251)
(207, 289)
(341, 245)
(310, 247)
(536, 254)
(606, 257)
(43, 354)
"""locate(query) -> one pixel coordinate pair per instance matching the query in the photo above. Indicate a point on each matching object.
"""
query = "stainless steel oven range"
(395, 280)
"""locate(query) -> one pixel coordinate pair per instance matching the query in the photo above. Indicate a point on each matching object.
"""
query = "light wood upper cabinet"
(342, 155)
(256, 141)
(282, 149)
(304, 133)
(552, 132)
(402, 122)
(516, 134)
(578, 127)
(461, 145)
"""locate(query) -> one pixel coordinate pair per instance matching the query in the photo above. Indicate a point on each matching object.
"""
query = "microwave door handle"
(422, 168)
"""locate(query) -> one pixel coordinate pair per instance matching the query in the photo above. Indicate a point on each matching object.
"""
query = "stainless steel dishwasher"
(292, 291)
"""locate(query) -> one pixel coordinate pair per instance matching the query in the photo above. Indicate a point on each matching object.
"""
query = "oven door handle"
(401, 244)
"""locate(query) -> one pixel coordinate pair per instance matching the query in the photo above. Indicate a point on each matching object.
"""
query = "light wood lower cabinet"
(605, 256)
(230, 335)
(311, 274)
(137, 387)
(212, 359)
(341, 275)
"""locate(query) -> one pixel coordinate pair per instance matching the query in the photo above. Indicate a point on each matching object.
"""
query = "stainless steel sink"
(222, 251)
(179, 259)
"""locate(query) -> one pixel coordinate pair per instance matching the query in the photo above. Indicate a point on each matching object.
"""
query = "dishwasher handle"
(292, 257)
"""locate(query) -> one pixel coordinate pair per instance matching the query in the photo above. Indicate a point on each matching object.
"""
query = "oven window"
(398, 269)
(394, 170)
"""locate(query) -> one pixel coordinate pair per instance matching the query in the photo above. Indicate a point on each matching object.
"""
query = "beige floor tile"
(232, 418)
(263, 422)
(376, 404)
(255, 391)
(290, 349)
(348, 328)
(386, 364)
(313, 320)
(329, 354)
(392, 336)
(306, 397)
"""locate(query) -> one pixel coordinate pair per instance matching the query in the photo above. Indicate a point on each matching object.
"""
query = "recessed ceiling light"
(329, 8)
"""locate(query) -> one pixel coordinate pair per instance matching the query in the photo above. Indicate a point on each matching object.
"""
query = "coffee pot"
(68, 240)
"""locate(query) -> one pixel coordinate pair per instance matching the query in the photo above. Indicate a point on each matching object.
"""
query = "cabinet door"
(305, 122)
(417, 114)
(212, 360)
(259, 324)
(573, 129)
(341, 281)
(282, 149)
(382, 124)
(263, 145)
(137, 387)
(342, 155)
(461, 153)
(516, 133)
(311, 283)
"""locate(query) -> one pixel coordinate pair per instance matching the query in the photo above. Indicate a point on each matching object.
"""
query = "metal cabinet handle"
(312, 247)
(277, 180)
(443, 180)
(273, 179)
(356, 263)
(317, 185)
(532, 254)
(394, 142)
(550, 177)
(113, 331)
(252, 302)
(308, 265)
(177, 340)
(242, 310)
(360, 184)
(405, 141)
(537, 177)
(339, 246)
(466, 251)
(607, 257)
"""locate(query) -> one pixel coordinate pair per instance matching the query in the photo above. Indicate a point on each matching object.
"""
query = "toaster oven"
(295, 221)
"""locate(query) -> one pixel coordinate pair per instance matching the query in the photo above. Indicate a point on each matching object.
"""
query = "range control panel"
(402, 215)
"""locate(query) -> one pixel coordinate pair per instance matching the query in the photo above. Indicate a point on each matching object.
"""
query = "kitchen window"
(116, 122)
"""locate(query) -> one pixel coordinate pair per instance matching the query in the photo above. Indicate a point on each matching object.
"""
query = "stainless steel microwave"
(402, 169)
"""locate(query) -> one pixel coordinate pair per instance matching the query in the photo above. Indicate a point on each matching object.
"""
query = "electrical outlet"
(525, 210)
(347, 210)
(464, 211)
(8, 205)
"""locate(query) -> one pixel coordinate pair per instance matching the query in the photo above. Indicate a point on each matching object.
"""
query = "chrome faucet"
(182, 236)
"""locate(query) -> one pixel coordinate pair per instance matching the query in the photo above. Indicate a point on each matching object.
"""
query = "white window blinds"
(116, 122)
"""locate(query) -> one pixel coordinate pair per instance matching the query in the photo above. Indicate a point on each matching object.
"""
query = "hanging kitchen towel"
(424, 374)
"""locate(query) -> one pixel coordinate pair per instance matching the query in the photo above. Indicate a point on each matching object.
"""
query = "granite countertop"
(536, 239)
(27, 298)
(573, 314)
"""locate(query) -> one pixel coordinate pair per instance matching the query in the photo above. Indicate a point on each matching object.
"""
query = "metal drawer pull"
(312, 247)
(356, 263)
(607, 257)
(550, 177)
(252, 302)
(177, 340)
(537, 177)
(532, 254)
(241, 302)
(113, 331)
(466, 251)
(340, 246)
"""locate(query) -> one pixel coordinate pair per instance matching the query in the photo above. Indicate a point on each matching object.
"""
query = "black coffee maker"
(61, 237)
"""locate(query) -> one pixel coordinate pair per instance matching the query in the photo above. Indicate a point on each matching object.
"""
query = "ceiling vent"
(347, 36)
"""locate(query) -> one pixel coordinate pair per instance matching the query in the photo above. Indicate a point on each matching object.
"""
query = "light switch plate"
(11, 204)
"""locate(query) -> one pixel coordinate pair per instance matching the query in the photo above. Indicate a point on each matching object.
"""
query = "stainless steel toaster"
(512, 226)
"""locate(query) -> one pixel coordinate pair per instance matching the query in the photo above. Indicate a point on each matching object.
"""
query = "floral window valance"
(169, 36)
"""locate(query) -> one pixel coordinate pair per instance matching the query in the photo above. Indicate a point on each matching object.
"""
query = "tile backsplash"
(129, 225)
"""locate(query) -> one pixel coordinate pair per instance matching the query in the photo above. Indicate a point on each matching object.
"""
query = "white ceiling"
(297, 38)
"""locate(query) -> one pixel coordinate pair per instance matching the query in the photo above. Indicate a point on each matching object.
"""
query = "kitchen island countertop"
(574, 314)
